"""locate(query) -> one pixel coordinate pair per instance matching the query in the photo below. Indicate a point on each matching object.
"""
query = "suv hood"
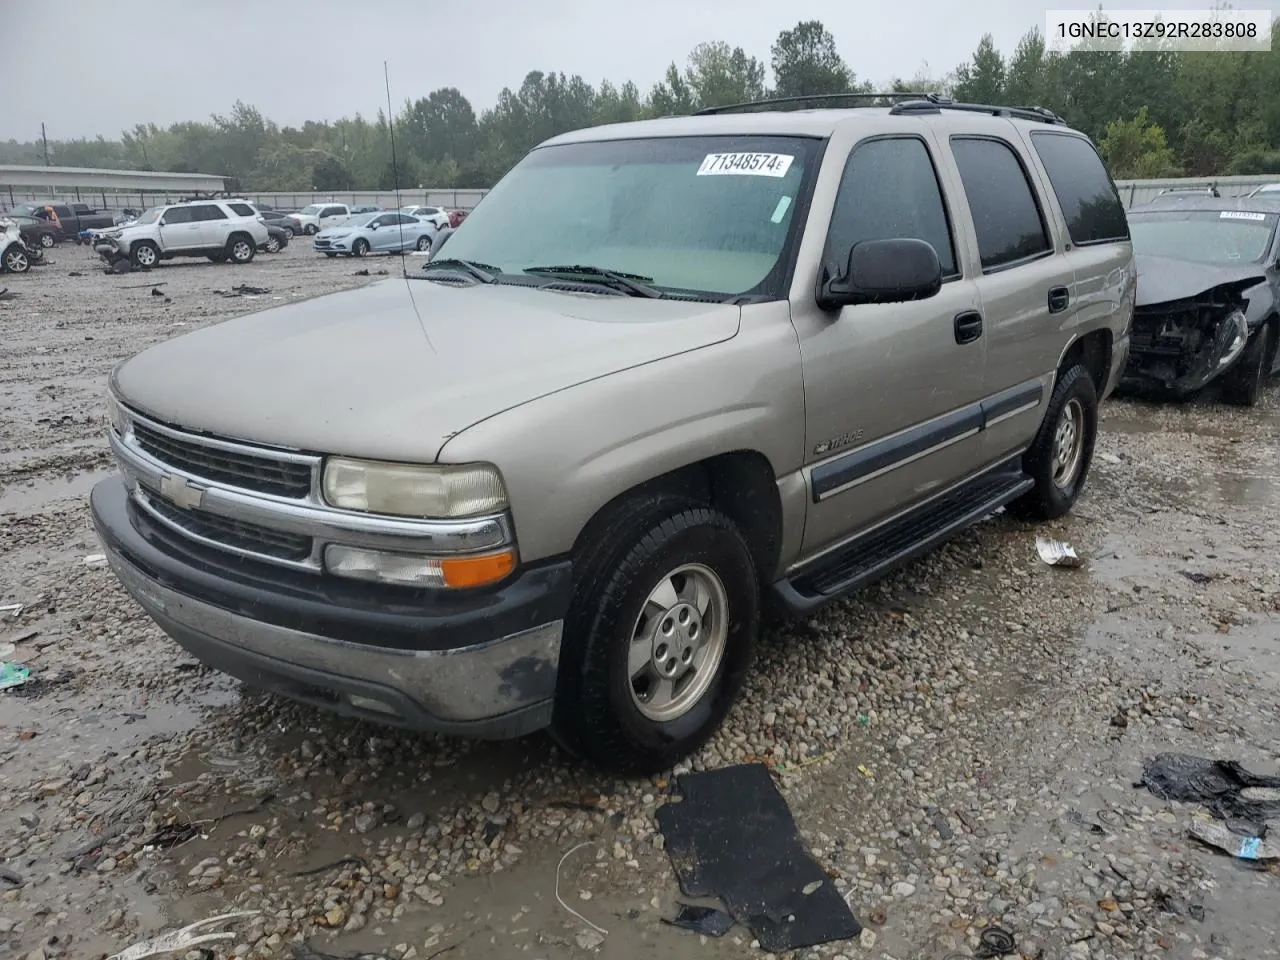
(353, 373)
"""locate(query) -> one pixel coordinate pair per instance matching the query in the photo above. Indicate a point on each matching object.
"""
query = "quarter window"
(243, 209)
(1005, 214)
(890, 191)
(1085, 191)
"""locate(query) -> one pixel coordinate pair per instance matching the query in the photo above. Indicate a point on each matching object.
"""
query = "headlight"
(413, 490)
(1239, 334)
(115, 416)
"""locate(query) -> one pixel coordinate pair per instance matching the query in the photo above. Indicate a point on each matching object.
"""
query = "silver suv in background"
(220, 230)
(556, 479)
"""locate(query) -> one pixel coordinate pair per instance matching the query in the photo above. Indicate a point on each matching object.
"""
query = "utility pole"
(45, 140)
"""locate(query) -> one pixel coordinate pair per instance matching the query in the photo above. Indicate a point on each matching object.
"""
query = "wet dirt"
(945, 739)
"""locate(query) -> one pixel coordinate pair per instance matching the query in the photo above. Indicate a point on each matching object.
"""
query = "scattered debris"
(157, 292)
(325, 867)
(184, 938)
(1197, 577)
(1076, 817)
(995, 942)
(600, 930)
(732, 836)
(118, 266)
(11, 611)
(75, 273)
(1217, 834)
(96, 560)
(13, 675)
(705, 920)
(1056, 553)
(1220, 785)
(1110, 458)
(172, 835)
(305, 951)
(143, 286)
(361, 273)
(243, 290)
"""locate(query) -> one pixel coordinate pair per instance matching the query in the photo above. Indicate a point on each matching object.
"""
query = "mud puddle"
(35, 494)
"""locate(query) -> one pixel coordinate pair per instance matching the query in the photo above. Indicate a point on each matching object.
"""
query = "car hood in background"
(1164, 279)
(358, 373)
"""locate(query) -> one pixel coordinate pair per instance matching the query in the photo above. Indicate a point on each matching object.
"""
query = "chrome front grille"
(246, 538)
(236, 467)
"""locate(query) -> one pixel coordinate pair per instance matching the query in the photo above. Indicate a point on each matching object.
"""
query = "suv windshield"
(310, 209)
(151, 216)
(708, 215)
(1203, 236)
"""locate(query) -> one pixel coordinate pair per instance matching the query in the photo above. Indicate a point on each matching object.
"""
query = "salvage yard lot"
(944, 740)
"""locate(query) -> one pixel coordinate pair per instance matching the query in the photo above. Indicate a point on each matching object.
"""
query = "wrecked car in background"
(1208, 304)
(16, 256)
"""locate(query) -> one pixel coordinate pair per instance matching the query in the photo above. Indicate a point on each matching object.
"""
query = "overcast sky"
(297, 60)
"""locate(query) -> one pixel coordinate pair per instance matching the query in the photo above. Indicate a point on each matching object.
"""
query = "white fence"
(1137, 192)
(279, 200)
(1132, 192)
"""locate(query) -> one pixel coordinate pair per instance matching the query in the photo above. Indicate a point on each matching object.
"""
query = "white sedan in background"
(437, 215)
(384, 232)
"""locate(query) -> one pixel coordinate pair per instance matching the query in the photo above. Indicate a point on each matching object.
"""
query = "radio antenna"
(395, 183)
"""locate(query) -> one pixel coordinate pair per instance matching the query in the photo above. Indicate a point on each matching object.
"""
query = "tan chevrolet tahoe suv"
(668, 377)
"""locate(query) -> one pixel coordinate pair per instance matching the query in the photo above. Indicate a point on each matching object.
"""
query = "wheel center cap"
(677, 640)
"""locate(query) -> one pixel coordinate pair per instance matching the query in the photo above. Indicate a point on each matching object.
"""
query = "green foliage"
(1153, 112)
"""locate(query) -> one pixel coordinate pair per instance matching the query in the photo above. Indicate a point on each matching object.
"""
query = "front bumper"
(1165, 364)
(481, 665)
(330, 245)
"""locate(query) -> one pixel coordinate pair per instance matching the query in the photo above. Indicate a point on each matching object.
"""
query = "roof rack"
(934, 103)
(810, 99)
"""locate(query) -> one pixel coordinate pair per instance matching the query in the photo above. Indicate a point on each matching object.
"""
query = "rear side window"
(890, 191)
(1005, 214)
(243, 209)
(1088, 198)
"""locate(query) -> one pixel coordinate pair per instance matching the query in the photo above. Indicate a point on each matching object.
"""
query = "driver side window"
(890, 191)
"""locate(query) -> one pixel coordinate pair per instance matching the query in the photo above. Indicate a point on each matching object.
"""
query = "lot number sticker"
(745, 164)
(1240, 215)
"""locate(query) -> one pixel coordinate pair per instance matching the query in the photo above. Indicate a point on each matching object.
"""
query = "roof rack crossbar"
(816, 98)
(936, 104)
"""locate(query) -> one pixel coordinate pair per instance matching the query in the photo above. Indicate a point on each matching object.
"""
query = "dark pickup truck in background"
(72, 217)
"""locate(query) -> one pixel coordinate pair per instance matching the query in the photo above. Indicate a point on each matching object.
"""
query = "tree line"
(1154, 113)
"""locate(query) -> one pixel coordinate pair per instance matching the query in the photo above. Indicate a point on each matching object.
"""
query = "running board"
(880, 552)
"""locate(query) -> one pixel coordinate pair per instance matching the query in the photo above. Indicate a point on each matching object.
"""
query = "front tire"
(273, 244)
(659, 636)
(145, 254)
(1243, 384)
(360, 248)
(1059, 458)
(240, 249)
(310, 229)
(16, 260)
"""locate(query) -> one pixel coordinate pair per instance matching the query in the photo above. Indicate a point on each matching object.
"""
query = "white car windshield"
(726, 212)
(310, 210)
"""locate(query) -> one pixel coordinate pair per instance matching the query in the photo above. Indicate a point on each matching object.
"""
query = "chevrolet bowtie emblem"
(180, 493)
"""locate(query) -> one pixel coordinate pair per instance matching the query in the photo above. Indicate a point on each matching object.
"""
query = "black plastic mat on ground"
(732, 836)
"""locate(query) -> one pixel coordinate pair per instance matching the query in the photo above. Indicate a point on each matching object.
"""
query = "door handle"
(1059, 297)
(968, 326)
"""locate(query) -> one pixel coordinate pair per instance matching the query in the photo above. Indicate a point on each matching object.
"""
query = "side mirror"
(373, 226)
(163, 223)
(882, 271)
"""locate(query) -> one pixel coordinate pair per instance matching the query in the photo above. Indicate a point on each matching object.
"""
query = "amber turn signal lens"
(477, 571)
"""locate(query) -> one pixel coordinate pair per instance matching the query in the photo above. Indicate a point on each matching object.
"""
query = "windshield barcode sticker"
(1240, 215)
(746, 164)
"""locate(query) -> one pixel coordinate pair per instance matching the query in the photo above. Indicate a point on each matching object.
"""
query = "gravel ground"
(959, 744)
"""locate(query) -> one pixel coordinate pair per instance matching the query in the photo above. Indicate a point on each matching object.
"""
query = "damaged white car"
(1208, 297)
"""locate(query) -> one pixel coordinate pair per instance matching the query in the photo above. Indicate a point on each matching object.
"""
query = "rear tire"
(1059, 458)
(646, 676)
(273, 244)
(424, 244)
(47, 240)
(1244, 382)
(288, 232)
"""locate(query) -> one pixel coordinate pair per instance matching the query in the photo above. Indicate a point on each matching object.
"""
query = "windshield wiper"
(480, 272)
(632, 283)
